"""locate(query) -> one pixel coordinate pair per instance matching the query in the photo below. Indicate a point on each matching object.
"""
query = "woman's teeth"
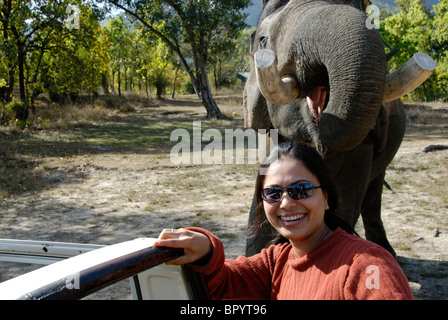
(292, 218)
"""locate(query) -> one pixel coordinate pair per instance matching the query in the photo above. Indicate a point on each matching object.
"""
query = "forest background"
(69, 50)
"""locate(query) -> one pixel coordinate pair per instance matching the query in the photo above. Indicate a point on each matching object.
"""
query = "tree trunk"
(112, 84)
(210, 105)
(125, 79)
(10, 88)
(215, 75)
(173, 91)
(159, 90)
(21, 63)
(203, 89)
(105, 83)
(119, 83)
(146, 84)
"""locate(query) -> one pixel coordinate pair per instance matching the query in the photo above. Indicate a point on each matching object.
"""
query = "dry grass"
(65, 129)
(88, 111)
(421, 114)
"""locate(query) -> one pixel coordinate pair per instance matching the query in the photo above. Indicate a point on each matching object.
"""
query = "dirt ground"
(94, 187)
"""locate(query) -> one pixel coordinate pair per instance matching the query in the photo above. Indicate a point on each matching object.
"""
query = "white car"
(75, 270)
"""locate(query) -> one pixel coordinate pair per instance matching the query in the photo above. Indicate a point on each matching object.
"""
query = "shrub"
(18, 109)
(15, 112)
(188, 87)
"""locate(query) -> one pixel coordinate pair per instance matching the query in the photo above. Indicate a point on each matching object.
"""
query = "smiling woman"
(301, 164)
(314, 257)
(299, 219)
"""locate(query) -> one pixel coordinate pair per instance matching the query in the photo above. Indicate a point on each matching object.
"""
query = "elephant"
(318, 75)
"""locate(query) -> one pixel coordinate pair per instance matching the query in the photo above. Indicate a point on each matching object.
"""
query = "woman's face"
(295, 220)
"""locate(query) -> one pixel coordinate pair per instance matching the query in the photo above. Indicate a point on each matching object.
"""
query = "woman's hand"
(196, 245)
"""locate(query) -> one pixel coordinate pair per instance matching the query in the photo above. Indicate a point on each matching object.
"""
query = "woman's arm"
(376, 275)
(243, 278)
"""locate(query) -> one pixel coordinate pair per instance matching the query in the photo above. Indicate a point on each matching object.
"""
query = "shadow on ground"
(426, 277)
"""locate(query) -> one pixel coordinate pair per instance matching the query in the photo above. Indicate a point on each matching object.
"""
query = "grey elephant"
(318, 75)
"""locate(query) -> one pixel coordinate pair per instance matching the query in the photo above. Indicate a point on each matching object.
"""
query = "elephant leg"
(371, 214)
(352, 170)
(371, 208)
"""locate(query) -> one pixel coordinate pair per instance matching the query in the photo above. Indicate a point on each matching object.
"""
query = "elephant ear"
(271, 6)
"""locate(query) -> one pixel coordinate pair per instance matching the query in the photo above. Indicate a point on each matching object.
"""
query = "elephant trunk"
(356, 64)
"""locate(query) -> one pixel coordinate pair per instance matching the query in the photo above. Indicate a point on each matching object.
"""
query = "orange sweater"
(343, 266)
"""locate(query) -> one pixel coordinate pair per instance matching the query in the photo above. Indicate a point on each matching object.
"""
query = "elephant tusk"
(276, 89)
(412, 74)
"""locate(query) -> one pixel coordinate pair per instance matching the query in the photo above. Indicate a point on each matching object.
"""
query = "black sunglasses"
(297, 191)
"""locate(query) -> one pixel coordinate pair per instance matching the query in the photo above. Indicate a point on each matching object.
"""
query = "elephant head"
(318, 73)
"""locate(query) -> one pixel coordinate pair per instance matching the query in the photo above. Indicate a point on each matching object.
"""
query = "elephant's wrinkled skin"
(340, 68)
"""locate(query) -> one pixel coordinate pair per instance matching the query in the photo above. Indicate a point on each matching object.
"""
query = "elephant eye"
(263, 40)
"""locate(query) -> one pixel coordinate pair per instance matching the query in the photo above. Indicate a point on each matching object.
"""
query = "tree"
(193, 22)
(154, 61)
(440, 46)
(230, 56)
(418, 29)
(22, 21)
(7, 49)
(409, 31)
(440, 28)
(75, 60)
(119, 34)
(35, 35)
(158, 68)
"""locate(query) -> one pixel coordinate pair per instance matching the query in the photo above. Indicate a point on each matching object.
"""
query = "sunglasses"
(297, 191)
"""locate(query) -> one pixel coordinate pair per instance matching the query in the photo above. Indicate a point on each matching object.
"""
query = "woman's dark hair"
(316, 165)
